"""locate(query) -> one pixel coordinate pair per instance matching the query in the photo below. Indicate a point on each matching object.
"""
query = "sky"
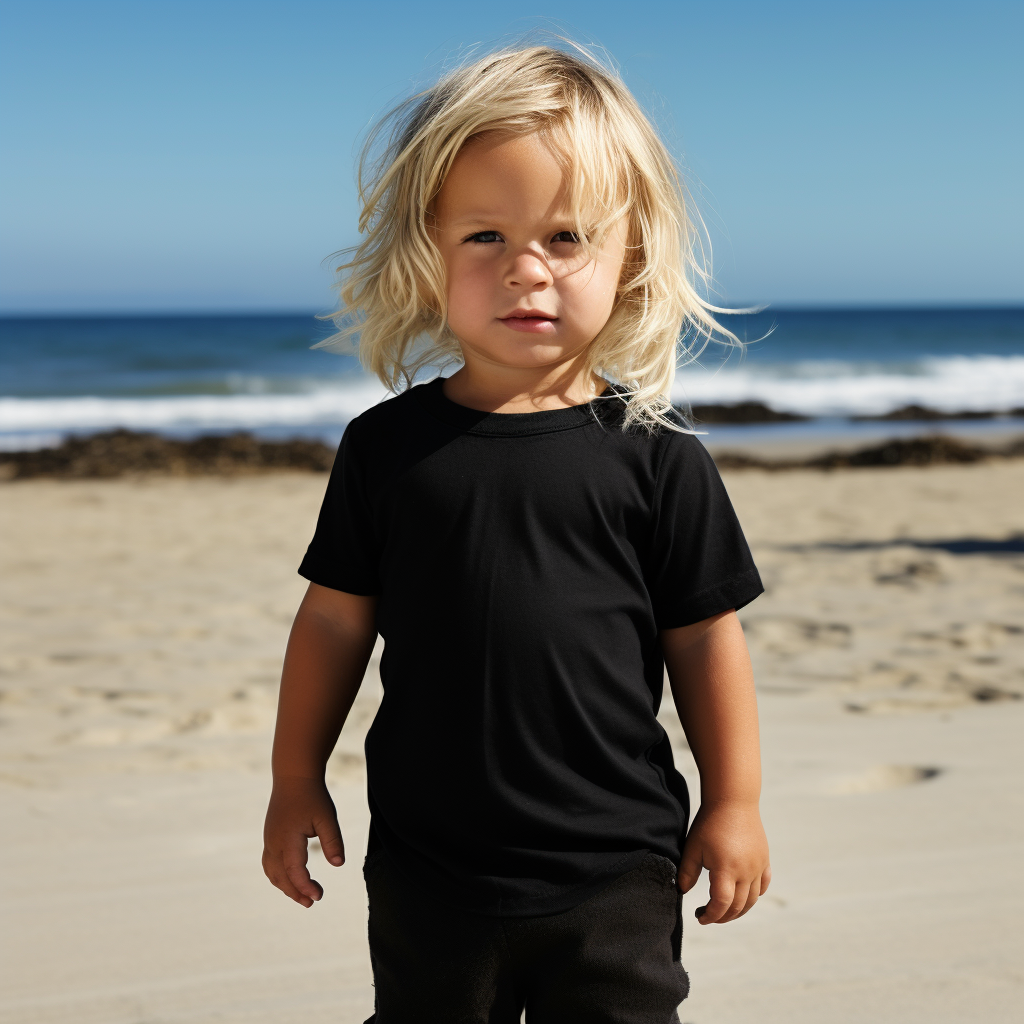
(195, 156)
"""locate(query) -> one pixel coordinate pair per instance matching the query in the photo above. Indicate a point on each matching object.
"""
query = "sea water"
(185, 375)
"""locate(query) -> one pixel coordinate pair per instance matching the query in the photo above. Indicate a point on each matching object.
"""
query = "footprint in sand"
(879, 778)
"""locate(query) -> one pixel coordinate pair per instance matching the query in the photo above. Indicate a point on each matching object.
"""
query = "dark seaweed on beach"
(119, 452)
(914, 451)
(740, 412)
(920, 413)
(125, 452)
(758, 412)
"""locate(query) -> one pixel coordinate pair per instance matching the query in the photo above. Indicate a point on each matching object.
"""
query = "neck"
(496, 388)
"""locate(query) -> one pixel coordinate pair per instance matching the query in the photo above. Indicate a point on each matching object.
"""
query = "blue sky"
(199, 155)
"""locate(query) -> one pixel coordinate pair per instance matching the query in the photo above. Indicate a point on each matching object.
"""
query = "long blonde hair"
(393, 290)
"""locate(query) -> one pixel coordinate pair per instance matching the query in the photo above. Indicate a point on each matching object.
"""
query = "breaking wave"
(811, 388)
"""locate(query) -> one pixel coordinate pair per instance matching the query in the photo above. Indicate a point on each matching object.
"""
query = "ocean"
(185, 375)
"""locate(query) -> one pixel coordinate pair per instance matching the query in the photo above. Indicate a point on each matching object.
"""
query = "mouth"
(529, 320)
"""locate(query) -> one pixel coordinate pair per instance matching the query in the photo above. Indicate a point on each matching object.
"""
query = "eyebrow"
(490, 219)
(476, 218)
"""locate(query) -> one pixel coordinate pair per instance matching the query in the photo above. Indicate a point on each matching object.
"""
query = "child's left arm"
(713, 686)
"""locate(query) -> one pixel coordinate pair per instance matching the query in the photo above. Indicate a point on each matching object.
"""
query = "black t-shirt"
(523, 565)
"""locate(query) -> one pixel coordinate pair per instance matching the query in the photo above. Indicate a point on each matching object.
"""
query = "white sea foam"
(828, 389)
(189, 412)
(816, 388)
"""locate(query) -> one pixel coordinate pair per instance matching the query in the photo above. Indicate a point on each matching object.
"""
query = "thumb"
(691, 864)
(329, 834)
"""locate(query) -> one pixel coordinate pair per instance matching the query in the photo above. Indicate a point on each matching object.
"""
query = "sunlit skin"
(525, 300)
(525, 297)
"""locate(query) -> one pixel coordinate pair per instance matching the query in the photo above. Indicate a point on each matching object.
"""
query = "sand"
(141, 629)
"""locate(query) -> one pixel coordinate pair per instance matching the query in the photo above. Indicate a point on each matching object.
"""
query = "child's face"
(509, 249)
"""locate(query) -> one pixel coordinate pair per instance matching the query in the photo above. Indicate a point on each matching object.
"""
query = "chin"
(527, 355)
(531, 360)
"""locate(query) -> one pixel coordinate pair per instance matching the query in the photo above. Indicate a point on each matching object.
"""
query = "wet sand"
(141, 629)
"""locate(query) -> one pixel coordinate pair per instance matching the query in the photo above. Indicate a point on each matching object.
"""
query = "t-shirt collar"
(507, 424)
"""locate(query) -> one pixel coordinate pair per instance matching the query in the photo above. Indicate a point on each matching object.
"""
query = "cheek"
(592, 291)
(469, 288)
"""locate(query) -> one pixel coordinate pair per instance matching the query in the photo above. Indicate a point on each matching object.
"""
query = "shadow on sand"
(955, 546)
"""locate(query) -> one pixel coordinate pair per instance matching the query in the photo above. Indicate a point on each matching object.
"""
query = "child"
(536, 538)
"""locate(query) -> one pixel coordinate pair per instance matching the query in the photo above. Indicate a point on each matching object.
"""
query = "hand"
(728, 839)
(299, 810)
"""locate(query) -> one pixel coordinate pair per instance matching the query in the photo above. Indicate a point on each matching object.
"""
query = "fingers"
(690, 865)
(766, 879)
(752, 896)
(286, 868)
(731, 899)
(330, 839)
(310, 889)
(723, 894)
(278, 875)
(299, 809)
(728, 839)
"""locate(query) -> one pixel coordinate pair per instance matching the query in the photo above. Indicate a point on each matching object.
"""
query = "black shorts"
(613, 959)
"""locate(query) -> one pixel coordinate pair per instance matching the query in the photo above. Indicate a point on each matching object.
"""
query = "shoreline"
(120, 453)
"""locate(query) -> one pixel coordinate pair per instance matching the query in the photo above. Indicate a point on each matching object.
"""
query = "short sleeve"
(344, 552)
(700, 563)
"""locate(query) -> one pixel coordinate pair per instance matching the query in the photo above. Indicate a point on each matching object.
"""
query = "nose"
(528, 270)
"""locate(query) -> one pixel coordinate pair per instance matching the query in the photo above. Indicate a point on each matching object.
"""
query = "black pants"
(614, 959)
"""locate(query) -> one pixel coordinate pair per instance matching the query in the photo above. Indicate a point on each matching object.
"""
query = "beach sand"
(142, 624)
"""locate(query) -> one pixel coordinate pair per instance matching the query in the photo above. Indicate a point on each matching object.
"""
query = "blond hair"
(393, 290)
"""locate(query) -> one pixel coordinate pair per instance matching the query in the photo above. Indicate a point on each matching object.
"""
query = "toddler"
(536, 537)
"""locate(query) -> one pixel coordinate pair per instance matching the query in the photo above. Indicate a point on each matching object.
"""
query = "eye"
(567, 236)
(484, 237)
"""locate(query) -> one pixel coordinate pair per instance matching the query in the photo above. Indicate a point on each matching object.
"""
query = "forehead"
(502, 175)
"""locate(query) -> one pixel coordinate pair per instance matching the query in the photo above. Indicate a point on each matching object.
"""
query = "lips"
(530, 321)
(528, 314)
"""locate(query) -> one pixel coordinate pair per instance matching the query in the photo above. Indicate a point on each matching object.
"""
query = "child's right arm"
(330, 643)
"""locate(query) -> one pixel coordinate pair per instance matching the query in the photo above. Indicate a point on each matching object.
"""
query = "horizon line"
(157, 313)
